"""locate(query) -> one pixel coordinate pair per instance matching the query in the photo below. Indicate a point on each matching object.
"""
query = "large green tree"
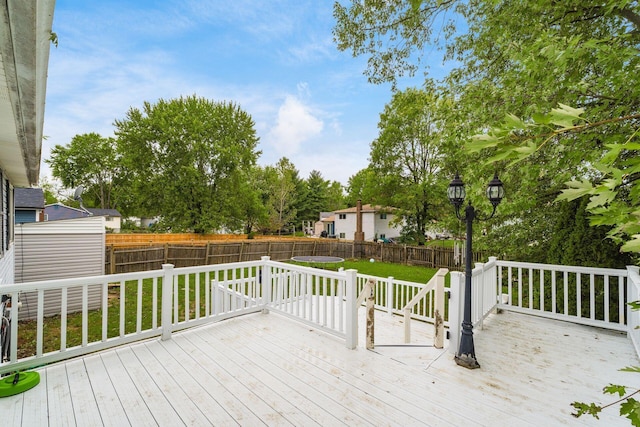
(89, 160)
(187, 160)
(361, 186)
(319, 195)
(282, 184)
(518, 65)
(407, 157)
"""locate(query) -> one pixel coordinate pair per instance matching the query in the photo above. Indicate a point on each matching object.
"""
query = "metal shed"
(57, 250)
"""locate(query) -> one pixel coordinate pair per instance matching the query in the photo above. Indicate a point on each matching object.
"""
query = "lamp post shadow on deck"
(466, 355)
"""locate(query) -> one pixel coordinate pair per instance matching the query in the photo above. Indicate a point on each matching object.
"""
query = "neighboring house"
(325, 225)
(29, 205)
(112, 218)
(376, 222)
(24, 57)
(58, 211)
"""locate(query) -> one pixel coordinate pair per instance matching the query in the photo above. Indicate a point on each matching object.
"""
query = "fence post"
(206, 254)
(390, 295)
(352, 310)
(112, 260)
(264, 280)
(438, 315)
(167, 297)
(455, 309)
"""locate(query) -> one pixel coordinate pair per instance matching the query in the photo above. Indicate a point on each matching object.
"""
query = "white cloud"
(294, 125)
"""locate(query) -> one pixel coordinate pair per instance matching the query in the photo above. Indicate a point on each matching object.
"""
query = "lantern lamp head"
(495, 191)
(456, 192)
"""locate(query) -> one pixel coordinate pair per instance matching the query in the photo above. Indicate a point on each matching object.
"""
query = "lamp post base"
(467, 361)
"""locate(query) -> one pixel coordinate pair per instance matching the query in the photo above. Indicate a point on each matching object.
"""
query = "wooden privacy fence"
(151, 257)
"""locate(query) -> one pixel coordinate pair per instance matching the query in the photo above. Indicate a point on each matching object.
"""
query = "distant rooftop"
(367, 208)
(29, 198)
(104, 212)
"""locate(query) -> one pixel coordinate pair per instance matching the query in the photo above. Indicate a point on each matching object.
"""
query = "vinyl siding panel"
(58, 250)
(6, 266)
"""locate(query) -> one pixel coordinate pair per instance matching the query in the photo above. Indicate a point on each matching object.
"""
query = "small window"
(383, 236)
(342, 216)
(383, 216)
(342, 235)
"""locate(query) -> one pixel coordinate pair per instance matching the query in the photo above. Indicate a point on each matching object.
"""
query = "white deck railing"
(633, 316)
(137, 306)
(585, 295)
(142, 305)
(590, 296)
(393, 295)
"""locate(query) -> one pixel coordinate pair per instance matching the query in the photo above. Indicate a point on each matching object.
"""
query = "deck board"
(266, 369)
(106, 396)
(59, 403)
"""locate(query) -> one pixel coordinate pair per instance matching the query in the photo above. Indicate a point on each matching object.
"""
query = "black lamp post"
(466, 355)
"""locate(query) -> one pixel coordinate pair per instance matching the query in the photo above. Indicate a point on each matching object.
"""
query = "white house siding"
(6, 230)
(7, 266)
(58, 250)
(372, 226)
(381, 226)
(113, 222)
(345, 228)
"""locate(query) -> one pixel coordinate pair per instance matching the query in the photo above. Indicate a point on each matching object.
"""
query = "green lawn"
(409, 273)
(441, 243)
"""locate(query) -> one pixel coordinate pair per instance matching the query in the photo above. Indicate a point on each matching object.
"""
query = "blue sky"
(276, 59)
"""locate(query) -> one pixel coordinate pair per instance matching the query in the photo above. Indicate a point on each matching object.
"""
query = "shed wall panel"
(58, 250)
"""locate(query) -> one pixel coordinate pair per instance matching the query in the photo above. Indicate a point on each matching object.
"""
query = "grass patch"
(409, 273)
(441, 243)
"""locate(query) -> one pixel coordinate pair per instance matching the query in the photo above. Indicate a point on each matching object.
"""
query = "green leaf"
(635, 305)
(514, 122)
(631, 409)
(632, 245)
(565, 116)
(601, 199)
(620, 390)
(584, 408)
(542, 119)
(415, 5)
(527, 150)
(577, 189)
(501, 155)
(482, 141)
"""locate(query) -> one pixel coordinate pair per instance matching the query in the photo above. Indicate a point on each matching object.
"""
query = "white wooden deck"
(264, 369)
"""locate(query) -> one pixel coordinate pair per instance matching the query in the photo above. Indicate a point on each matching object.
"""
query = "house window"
(383, 216)
(342, 235)
(383, 236)
(342, 216)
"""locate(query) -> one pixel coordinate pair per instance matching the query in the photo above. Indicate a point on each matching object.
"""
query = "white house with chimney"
(376, 223)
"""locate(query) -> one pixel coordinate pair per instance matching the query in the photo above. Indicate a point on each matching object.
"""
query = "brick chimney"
(359, 234)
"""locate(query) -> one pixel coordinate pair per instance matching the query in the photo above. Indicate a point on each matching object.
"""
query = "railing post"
(371, 315)
(633, 318)
(455, 310)
(390, 295)
(438, 315)
(352, 310)
(167, 297)
(477, 296)
(265, 281)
